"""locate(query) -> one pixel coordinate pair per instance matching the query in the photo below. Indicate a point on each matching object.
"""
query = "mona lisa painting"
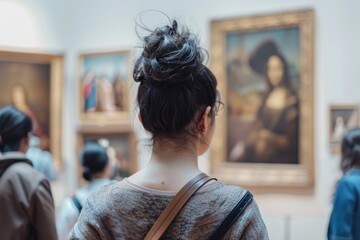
(264, 68)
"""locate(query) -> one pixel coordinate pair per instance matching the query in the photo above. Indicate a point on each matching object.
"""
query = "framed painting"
(103, 87)
(121, 148)
(32, 82)
(341, 119)
(264, 65)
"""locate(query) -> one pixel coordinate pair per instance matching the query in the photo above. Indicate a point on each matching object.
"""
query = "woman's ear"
(139, 117)
(205, 120)
(24, 145)
(27, 139)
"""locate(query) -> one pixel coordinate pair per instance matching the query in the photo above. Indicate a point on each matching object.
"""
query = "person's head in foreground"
(177, 96)
(177, 101)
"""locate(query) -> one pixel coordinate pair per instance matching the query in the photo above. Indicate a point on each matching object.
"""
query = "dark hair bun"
(174, 83)
(169, 56)
(86, 174)
(94, 158)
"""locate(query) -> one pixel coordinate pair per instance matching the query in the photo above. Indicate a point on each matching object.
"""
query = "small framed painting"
(341, 119)
(103, 87)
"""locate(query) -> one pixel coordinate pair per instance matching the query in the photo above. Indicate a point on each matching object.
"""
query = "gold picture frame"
(123, 145)
(104, 77)
(342, 117)
(27, 59)
(242, 33)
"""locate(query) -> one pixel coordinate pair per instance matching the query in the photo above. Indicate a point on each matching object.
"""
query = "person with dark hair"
(345, 217)
(26, 203)
(97, 171)
(274, 138)
(178, 102)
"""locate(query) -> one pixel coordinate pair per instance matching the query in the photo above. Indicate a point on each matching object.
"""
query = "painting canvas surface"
(341, 121)
(263, 79)
(104, 78)
(27, 87)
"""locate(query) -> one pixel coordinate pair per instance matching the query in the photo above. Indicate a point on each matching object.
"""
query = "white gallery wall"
(72, 27)
(33, 25)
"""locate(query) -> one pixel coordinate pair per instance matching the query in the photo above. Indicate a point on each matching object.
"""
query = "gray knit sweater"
(127, 211)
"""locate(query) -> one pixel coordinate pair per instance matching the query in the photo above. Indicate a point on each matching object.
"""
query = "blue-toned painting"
(104, 82)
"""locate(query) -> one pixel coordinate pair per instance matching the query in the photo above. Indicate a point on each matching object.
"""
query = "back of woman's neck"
(173, 160)
(169, 152)
(167, 171)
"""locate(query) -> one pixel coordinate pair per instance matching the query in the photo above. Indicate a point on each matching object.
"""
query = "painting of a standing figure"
(103, 85)
(342, 118)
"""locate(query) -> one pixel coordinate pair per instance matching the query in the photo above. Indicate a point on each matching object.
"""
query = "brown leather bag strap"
(176, 204)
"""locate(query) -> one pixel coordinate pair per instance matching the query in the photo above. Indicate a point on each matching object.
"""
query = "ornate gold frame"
(56, 88)
(101, 119)
(254, 175)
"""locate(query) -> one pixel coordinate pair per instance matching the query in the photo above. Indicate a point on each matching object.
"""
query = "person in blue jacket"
(345, 217)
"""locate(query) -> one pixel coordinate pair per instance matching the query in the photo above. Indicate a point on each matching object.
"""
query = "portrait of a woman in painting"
(20, 101)
(26, 86)
(274, 134)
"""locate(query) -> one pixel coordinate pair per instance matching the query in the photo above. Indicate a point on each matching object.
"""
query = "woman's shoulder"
(24, 173)
(231, 193)
(224, 198)
(224, 190)
(103, 193)
(348, 185)
(352, 178)
(111, 195)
